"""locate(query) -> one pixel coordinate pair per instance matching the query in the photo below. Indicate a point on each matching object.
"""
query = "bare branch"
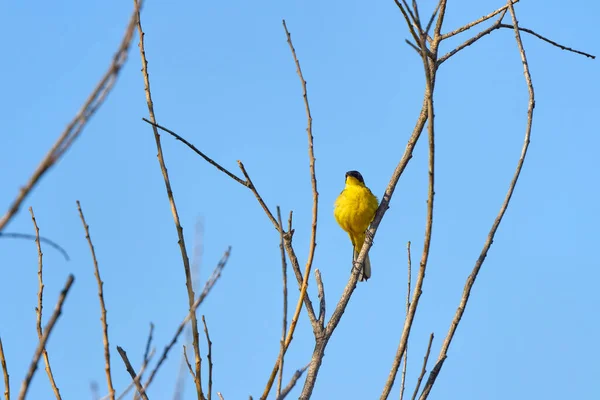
(321, 292)
(424, 368)
(76, 126)
(220, 396)
(111, 389)
(4, 372)
(408, 282)
(47, 331)
(138, 378)
(187, 362)
(207, 287)
(209, 356)
(181, 239)
(553, 43)
(285, 302)
(313, 237)
(292, 383)
(40, 305)
(473, 276)
(132, 373)
(201, 154)
(468, 26)
(14, 235)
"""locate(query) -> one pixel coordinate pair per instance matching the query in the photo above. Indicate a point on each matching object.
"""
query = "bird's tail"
(365, 272)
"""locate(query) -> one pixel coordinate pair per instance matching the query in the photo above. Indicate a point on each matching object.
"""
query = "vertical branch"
(285, 300)
(313, 235)
(490, 238)
(40, 305)
(47, 331)
(184, 256)
(111, 389)
(209, 356)
(408, 281)
(4, 372)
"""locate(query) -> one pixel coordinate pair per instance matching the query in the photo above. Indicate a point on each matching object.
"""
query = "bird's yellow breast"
(355, 208)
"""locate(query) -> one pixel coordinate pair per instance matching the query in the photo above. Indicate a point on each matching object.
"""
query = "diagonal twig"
(42, 344)
(207, 288)
(408, 282)
(4, 372)
(285, 300)
(423, 368)
(297, 375)
(75, 127)
(132, 373)
(40, 306)
(209, 357)
(111, 389)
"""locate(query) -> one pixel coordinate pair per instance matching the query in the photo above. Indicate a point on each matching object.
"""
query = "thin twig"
(545, 39)
(315, 207)
(424, 367)
(187, 362)
(468, 26)
(408, 281)
(209, 356)
(111, 389)
(75, 127)
(285, 301)
(201, 154)
(40, 305)
(181, 239)
(432, 18)
(145, 362)
(14, 235)
(490, 238)
(137, 378)
(4, 372)
(297, 375)
(207, 287)
(47, 331)
(132, 373)
(321, 292)
(220, 396)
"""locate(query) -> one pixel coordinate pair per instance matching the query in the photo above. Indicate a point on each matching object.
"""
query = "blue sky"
(223, 77)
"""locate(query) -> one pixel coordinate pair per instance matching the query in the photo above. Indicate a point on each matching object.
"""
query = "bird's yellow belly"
(354, 210)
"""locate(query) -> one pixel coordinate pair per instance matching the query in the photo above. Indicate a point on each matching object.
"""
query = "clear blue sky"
(223, 77)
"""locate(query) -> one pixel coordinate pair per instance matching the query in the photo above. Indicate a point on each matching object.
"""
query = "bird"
(354, 210)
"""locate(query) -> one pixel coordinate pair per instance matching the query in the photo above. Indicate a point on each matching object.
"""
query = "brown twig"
(40, 305)
(207, 287)
(75, 127)
(111, 389)
(220, 396)
(424, 368)
(181, 239)
(285, 301)
(545, 39)
(473, 276)
(468, 26)
(209, 356)
(47, 331)
(138, 378)
(14, 235)
(297, 375)
(315, 207)
(321, 292)
(147, 355)
(4, 372)
(201, 154)
(187, 362)
(408, 282)
(132, 373)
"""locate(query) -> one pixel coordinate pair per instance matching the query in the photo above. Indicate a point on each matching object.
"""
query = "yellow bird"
(354, 210)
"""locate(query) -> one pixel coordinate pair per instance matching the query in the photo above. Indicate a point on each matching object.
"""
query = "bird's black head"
(356, 175)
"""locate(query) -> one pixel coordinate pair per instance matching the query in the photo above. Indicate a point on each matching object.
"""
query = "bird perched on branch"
(354, 210)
